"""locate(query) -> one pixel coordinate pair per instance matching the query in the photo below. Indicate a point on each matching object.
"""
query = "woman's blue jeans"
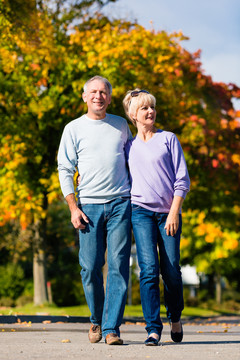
(109, 226)
(151, 238)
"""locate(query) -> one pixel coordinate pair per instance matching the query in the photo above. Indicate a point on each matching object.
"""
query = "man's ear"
(110, 99)
(84, 96)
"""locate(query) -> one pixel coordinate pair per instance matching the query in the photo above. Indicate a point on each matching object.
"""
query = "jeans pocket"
(124, 198)
(135, 207)
(80, 206)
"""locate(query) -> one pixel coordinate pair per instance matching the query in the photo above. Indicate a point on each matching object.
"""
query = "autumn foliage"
(42, 74)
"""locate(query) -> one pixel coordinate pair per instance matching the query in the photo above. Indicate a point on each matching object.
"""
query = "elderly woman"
(160, 182)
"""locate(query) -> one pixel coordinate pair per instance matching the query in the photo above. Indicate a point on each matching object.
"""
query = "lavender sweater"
(158, 171)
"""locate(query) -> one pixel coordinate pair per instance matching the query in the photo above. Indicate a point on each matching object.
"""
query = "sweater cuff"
(180, 193)
(68, 190)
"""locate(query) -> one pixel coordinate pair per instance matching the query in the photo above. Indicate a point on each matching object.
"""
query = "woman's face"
(146, 115)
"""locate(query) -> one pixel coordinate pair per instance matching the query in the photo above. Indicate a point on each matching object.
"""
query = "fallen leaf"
(66, 341)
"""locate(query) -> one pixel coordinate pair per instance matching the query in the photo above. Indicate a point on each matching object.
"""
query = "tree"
(40, 91)
(32, 98)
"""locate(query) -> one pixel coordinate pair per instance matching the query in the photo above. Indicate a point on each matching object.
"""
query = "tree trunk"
(218, 289)
(39, 267)
(39, 278)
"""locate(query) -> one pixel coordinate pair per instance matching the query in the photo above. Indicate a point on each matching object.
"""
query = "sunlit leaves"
(18, 201)
(211, 243)
(41, 80)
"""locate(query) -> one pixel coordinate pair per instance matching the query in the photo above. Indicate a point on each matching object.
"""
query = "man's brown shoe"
(113, 339)
(95, 333)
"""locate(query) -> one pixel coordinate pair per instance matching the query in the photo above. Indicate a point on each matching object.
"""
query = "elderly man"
(94, 145)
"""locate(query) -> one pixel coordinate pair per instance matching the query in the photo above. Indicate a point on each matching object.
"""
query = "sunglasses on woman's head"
(136, 92)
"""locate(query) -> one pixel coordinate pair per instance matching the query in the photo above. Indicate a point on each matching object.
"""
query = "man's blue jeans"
(150, 235)
(109, 226)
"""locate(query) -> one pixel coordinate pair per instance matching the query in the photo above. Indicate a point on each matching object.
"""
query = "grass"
(82, 310)
(136, 311)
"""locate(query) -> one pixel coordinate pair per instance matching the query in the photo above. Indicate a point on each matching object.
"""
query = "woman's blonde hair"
(134, 99)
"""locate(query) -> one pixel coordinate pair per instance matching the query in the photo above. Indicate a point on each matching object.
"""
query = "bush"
(231, 295)
(6, 301)
(28, 289)
(11, 281)
(188, 299)
(24, 300)
(136, 298)
(64, 274)
(67, 291)
(231, 305)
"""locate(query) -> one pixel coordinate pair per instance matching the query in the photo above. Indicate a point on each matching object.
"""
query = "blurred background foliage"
(48, 49)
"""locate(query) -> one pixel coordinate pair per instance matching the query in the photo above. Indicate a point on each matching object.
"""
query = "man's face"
(97, 98)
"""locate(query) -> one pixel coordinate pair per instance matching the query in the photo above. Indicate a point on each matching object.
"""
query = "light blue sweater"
(96, 149)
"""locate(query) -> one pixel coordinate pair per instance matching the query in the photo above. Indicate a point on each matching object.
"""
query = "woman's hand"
(172, 224)
(78, 180)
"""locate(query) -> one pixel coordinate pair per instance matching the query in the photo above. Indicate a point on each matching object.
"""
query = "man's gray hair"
(100, 78)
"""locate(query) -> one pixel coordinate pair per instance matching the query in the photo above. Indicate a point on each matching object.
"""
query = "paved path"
(207, 339)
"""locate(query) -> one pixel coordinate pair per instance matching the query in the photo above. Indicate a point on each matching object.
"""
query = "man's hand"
(78, 218)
